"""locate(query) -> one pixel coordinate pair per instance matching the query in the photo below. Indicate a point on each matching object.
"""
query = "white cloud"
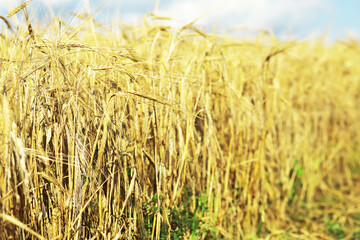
(56, 2)
(255, 14)
(352, 33)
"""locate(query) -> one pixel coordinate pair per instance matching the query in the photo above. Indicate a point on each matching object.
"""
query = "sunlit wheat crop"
(148, 132)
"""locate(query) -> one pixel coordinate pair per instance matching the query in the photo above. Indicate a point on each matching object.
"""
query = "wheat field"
(149, 132)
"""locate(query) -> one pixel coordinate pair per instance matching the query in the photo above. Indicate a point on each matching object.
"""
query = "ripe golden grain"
(18, 8)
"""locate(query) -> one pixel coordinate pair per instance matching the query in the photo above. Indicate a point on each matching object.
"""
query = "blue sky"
(295, 18)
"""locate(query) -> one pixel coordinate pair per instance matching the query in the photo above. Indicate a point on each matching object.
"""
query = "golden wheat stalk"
(31, 31)
(8, 25)
(18, 8)
(74, 45)
(19, 224)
